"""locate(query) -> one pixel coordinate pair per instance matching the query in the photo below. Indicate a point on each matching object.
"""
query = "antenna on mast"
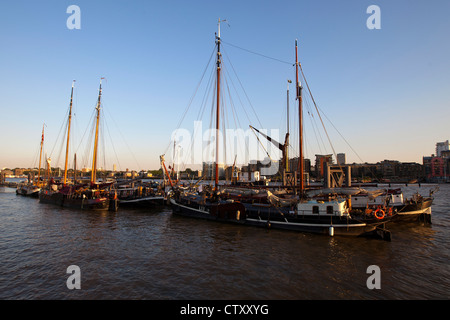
(218, 25)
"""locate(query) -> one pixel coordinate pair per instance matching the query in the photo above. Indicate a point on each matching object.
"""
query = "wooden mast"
(300, 115)
(287, 127)
(68, 135)
(94, 160)
(40, 157)
(216, 184)
(49, 170)
(75, 169)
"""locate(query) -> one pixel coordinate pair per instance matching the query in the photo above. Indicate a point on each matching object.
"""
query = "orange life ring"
(379, 216)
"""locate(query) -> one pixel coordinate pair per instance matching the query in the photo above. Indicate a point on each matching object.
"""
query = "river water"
(152, 254)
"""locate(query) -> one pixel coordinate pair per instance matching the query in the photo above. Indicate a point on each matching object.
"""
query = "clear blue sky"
(386, 91)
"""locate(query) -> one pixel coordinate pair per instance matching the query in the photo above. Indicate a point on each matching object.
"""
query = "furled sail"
(282, 202)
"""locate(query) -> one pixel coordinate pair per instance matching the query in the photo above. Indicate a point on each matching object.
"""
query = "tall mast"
(94, 160)
(40, 156)
(287, 128)
(49, 170)
(68, 134)
(300, 115)
(75, 169)
(218, 106)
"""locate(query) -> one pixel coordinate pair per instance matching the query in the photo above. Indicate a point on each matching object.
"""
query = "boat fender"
(331, 231)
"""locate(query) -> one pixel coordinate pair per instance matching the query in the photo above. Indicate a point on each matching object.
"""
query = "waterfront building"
(389, 168)
(366, 171)
(209, 170)
(442, 146)
(321, 160)
(436, 169)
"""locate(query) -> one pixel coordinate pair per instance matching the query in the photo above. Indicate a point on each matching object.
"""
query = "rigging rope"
(195, 92)
(258, 54)
(317, 109)
(114, 149)
(315, 105)
(123, 138)
(201, 111)
(248, 99)
(262, 145)
(234, 112)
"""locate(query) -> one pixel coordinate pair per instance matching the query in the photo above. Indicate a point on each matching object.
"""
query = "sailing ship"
(207, 203)
(92, 196)
(384, 205)
(295, 210)
(31, 188)
(303, 214)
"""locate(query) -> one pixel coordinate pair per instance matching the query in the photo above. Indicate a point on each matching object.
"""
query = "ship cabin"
(323, 208)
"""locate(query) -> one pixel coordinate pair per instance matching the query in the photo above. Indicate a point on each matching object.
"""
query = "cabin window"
(329, 209)
(315, 209)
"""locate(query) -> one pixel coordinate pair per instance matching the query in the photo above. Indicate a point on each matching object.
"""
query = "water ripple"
(139, 254)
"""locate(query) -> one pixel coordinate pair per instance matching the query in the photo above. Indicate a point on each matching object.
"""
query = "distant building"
(293, 165)
(389, 168)
(249, 176)
(436, 169)
(427, 166)
(145, 174)
(209, 170)
(442, 146)
(320, 164)
(340, 158)
(265, 167)
(7, 173)
(409, 171)
(365, 171)
(232, 173)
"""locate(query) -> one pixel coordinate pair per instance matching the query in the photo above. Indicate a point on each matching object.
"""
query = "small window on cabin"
(329, 209)
(315, 209)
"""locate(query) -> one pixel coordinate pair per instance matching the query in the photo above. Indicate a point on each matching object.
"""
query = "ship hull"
(415, 212)
(34, 192)
(144, 202)
(223, 212)
(278, 218)
(410, 212)
(70, 201)
(28, 190)
(269, 218)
